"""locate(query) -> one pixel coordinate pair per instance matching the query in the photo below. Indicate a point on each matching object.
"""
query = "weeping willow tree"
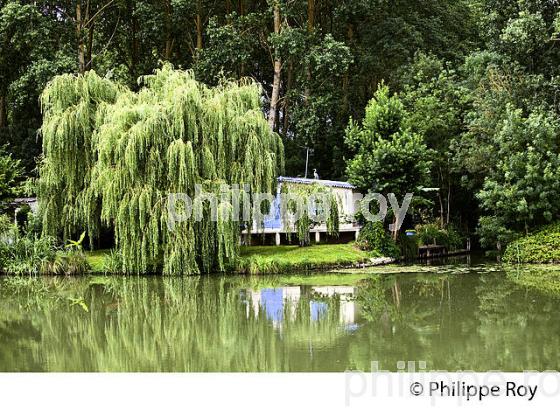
(70, 105)
(112, 157)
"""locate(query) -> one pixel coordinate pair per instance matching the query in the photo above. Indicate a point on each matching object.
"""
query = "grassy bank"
(96, 260)
(542, 246)
(278, 259)
(289, 258)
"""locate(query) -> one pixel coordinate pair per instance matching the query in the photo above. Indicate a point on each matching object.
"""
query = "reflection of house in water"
(277, 303)
(347, 304)
(273, 301)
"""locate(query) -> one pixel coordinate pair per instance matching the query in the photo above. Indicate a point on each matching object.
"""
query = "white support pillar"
(317, 237)
(357, 233)
(277, 237)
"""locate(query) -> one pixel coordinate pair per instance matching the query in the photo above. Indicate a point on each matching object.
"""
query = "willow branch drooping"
(112, 156)
(305, 194)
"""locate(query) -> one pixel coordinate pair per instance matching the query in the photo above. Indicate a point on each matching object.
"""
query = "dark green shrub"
(494, 234)
(373, 237)
(542, 246)
(455, 240)
(432, 234)
(408, 246)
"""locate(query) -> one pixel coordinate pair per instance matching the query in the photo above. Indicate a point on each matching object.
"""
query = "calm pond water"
(452, 317)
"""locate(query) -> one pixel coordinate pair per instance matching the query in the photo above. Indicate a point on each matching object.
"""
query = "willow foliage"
(112, 156)
(317, 204)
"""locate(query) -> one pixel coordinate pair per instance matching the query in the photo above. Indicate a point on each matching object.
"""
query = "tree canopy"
(475, 78)
(112, 156)
(389, 157)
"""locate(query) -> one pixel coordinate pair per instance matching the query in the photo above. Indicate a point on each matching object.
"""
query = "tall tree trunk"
(198, 25)
(135, 46)
(168, 35)
(84, 35)
(242, 65)
(346, 78)
(448, 199)
(441, 217)
(440, 198)
(3, 111)
(395, 233)
(272, 114)
(80, 38)
(85, 28)
(310, 29)
(89, 48)
(289, 85)
(310, 15)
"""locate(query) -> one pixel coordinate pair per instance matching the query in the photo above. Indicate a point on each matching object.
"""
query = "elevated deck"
(317, 231)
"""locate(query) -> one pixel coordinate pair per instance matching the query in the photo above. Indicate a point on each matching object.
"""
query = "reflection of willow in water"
(474, 321)
(183, 324)
(151, 325)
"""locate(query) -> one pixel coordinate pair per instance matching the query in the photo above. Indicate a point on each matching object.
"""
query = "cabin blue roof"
(327, 182)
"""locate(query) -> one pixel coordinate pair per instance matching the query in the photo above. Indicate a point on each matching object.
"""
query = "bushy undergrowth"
(373, 237)
(113, 263)
(408, 246)
(28, 254)
(432, 234)
(542, 246)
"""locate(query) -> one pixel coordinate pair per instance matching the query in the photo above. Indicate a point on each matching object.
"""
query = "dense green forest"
(394, 95)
